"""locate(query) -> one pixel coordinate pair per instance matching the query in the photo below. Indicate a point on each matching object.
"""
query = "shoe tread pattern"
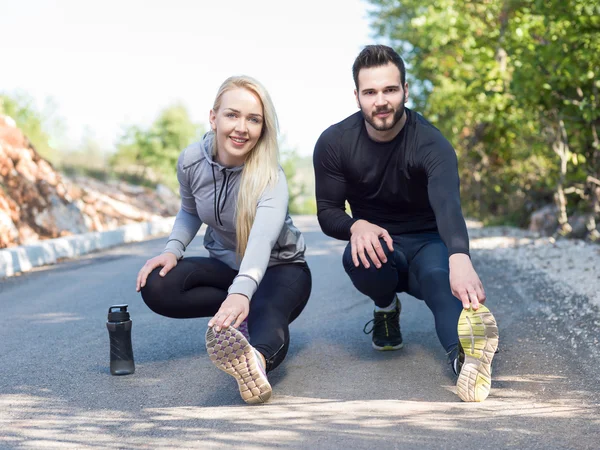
(478, 335)
(231, 352)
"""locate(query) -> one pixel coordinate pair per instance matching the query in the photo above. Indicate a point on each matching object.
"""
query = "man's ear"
(356, 97)
(405, 92)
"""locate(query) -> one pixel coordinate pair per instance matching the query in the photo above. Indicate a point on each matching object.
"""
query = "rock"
(578, 225)
(544, 221)
(37, 202)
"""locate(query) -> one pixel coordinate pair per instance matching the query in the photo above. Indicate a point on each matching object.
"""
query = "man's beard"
(383, 126)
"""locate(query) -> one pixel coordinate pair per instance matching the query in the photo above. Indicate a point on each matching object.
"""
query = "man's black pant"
(418, 266)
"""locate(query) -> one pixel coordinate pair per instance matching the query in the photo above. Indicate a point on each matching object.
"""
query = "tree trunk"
(561, 148)
(594, 181)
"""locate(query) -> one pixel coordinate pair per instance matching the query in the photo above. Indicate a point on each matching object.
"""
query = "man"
(407, 232)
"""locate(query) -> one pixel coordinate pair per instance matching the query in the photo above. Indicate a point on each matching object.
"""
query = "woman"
(232, 181)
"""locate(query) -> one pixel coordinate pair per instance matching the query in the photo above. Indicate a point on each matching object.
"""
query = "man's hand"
(166, 260)
(233, 310)
(365, 238)
(465, 282)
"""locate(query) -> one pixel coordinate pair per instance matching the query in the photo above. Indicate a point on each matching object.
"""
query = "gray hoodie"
(208, 195)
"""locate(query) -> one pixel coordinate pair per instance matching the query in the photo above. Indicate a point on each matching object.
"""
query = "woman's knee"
(154, 292)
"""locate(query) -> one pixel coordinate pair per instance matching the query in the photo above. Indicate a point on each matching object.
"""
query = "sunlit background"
(99, 66)
(120, 87)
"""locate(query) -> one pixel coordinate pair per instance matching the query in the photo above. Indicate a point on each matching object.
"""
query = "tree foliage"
(152, 152)
(30, 120)
(514, 85)
(300, 180)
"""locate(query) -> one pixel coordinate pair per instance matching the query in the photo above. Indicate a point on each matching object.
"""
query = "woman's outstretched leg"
(279, 300)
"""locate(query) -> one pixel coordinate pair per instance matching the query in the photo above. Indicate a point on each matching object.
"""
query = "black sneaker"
(458, 362)
(386, 329)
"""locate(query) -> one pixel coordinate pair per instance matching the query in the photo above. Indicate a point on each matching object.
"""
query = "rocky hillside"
(37, 202)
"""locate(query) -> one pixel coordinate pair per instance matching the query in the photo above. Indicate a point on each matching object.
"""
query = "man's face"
(381, 96)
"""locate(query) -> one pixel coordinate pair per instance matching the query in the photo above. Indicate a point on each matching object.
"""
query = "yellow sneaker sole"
(478, 335)
(231, 352)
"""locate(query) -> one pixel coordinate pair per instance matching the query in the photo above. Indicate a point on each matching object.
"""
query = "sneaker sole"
(478, 335)
(230, 351)
(387, 348)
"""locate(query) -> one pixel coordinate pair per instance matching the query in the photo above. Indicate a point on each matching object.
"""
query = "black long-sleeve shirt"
(406, 185)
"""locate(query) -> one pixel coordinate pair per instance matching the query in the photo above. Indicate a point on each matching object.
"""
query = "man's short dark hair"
(376, 56)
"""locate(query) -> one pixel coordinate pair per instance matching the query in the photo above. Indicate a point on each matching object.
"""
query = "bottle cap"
(118, 316)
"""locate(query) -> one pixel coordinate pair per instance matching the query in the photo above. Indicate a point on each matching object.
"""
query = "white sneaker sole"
(230, 351)
(478, 335)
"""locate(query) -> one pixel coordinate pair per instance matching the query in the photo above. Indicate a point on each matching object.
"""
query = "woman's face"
(237, 125)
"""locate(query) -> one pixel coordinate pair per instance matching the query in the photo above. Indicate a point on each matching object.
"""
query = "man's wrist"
(352, 227)
(459, 261)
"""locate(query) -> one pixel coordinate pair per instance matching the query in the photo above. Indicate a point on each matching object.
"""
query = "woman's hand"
(233, 310)
(166, 260)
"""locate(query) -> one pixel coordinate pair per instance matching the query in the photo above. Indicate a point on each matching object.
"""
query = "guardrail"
(16, 260)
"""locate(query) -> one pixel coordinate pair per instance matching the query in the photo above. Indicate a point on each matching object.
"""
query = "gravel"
(573, 264)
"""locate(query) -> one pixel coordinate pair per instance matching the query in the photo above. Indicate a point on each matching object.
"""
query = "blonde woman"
(255, 281)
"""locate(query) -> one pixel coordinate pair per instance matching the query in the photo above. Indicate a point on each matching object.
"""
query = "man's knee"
(349, 263)
(371, 281)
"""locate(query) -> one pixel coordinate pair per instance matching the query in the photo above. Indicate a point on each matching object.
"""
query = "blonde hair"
(261, 167)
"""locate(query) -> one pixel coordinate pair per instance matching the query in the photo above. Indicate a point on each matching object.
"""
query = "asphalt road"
(333, 391)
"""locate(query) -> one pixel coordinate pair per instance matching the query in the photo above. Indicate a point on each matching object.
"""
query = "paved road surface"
(333, 391)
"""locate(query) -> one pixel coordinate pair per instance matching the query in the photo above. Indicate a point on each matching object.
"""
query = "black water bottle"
(119, 331)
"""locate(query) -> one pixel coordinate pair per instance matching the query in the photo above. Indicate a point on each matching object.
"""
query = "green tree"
(32, 122)
(300, 179)
(296, 187)
(152, 153)
(557, 63)
(513, 84)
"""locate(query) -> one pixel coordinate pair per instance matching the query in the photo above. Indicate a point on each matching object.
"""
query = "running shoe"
(478, 341)
(230, 351)
(386, 329)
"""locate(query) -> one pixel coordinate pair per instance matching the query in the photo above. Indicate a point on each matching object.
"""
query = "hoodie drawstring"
(226, 190)
(219, 200)
(215, 193)
(217, 205)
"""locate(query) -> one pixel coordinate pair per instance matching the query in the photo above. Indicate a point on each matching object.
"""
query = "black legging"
(419, 266)
(197, 286)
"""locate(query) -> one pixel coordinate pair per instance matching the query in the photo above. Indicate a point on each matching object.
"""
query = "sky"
(101, 66)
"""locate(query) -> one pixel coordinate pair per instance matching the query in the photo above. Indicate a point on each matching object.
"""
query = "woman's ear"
(212, 118)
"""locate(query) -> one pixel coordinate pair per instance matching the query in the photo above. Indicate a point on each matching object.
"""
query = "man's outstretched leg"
(470, 337)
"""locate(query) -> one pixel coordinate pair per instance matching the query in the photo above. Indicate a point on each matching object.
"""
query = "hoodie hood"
(206, 145)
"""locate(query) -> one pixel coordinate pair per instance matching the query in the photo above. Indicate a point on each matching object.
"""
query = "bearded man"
(407, 233)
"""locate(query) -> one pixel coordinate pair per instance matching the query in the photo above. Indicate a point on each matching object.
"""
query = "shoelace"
(380, 318)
